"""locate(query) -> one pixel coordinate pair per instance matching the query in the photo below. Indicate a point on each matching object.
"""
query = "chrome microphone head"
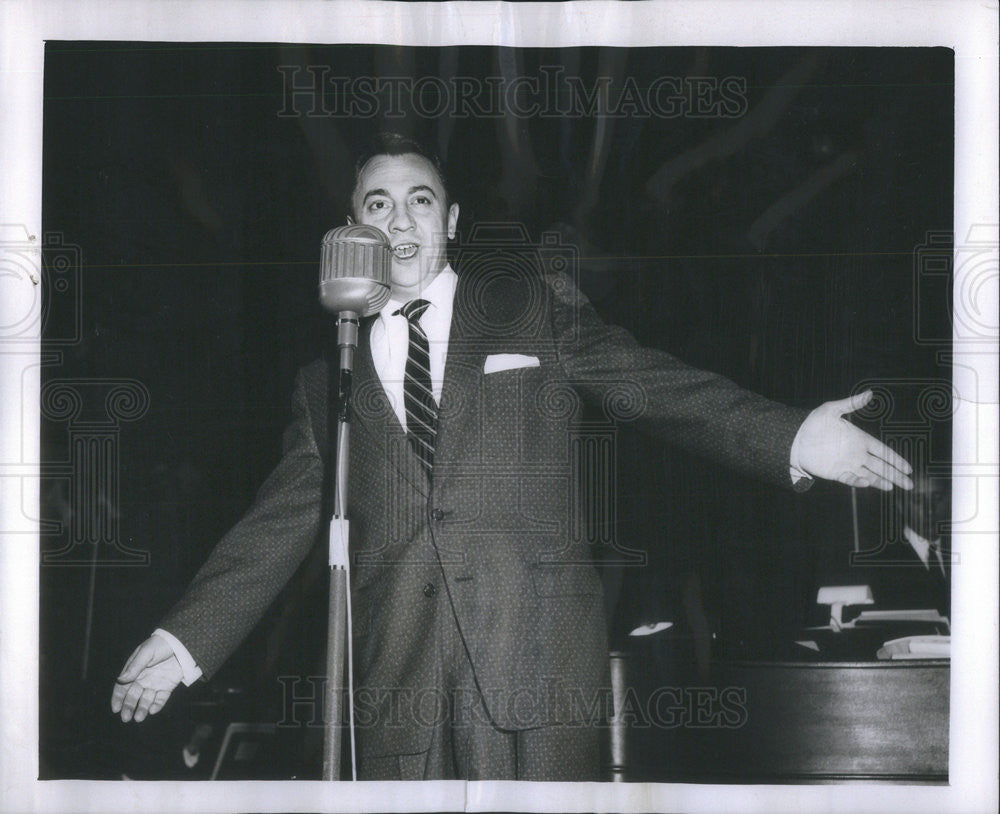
(355, 267)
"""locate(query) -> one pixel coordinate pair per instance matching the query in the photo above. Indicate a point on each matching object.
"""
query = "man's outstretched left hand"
(831, 447)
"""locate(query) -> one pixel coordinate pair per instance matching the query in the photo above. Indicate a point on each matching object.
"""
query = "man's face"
(402, 195)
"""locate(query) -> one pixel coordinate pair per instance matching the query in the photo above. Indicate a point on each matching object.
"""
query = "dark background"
(193, 213)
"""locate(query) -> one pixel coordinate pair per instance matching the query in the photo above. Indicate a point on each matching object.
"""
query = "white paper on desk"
(913, 615)
(916, 647)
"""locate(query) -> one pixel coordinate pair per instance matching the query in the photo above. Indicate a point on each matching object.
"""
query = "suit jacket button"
(438, 515)
(430, 590)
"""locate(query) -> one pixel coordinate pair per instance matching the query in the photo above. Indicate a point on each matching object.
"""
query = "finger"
(141, 658)
(130, 659)
(878, 482)
(117, 696)
(887, 473)
(851, 403)
(131, 699)
(145, 701)
(889, 455)
(874, 473)
(853, 479)
(159, 702)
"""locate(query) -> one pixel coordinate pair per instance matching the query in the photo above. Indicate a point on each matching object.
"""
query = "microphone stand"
(340, 609)
(355, 263)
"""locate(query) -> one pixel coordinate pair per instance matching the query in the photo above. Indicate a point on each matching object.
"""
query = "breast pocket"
(507, 412)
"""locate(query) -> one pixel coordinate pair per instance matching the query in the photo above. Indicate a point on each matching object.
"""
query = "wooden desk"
(795, 722)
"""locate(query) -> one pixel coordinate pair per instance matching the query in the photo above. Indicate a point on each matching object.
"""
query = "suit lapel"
(459, 414)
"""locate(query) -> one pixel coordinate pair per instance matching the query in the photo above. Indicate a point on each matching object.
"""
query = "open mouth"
(404, 251)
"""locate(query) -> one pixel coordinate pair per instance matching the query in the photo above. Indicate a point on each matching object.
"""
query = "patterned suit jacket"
(495, 539)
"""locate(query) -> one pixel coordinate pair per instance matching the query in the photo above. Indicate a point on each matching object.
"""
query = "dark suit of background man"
(479, 637)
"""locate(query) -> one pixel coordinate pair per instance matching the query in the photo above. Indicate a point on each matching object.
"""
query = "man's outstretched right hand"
(145, 683)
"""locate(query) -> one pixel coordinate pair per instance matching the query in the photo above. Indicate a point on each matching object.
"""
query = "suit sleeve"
(251, 564)
(699, 411)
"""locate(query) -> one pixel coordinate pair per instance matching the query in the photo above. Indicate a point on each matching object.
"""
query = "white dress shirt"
(390, 339)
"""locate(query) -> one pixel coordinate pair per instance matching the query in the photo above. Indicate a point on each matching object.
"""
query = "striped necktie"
(418, 395)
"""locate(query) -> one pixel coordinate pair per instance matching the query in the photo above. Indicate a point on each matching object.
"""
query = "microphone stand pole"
(338, 635)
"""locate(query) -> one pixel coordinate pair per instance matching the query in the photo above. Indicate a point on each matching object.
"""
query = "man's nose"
(401, 220)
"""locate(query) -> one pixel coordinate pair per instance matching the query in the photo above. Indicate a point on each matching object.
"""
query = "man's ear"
(350, 221)
(452, 220)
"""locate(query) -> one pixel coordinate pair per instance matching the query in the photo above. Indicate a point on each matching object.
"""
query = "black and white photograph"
(608, 415)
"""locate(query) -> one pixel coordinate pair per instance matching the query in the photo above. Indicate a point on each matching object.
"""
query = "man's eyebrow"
(375, 192)
(419, 188)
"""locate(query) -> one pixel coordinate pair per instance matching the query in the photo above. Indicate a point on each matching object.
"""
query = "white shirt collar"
(440, 292)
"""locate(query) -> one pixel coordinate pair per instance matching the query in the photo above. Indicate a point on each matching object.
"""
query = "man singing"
(469, 592)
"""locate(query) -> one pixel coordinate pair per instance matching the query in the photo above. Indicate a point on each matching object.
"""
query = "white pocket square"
(497, 362)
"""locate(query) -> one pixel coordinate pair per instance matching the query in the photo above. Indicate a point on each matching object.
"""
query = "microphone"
(354, 269)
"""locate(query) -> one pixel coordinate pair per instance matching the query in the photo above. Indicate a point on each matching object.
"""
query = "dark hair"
(389, 143)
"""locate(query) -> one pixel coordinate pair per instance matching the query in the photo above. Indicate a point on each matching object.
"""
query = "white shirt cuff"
(191, 671)
(798, 475)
